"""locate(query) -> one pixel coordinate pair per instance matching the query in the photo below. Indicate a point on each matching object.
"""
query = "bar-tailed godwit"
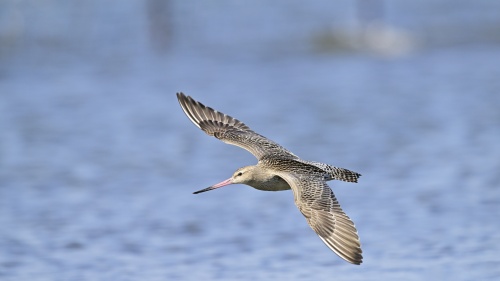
(279, 169)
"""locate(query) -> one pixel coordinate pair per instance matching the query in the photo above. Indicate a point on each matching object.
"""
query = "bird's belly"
(274, 184)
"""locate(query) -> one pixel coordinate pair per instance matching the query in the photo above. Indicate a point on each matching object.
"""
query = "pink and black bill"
(221, 184)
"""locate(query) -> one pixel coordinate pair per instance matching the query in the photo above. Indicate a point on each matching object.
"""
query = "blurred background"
(98, 162)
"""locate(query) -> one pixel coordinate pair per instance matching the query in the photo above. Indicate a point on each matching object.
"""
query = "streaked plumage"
(280, 169)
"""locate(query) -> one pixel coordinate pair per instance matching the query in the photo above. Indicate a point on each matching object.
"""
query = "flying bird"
(279, 169)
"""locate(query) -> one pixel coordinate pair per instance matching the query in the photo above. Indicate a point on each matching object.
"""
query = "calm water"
(98, 162)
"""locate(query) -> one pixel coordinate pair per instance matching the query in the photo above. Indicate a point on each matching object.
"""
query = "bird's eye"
(239, 174)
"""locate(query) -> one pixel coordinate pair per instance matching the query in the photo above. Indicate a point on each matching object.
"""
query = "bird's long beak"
(220, 184)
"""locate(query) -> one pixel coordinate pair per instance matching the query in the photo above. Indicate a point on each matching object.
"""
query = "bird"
(279, 169)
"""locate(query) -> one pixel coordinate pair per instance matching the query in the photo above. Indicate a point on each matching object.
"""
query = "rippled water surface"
(98, 162)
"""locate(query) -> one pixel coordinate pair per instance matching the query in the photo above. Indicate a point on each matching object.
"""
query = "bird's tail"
(342, 174)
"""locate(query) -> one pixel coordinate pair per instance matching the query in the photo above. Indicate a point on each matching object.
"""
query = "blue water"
(98, 162)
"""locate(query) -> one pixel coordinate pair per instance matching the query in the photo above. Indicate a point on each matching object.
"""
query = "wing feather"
(318, 204)
(230, 130)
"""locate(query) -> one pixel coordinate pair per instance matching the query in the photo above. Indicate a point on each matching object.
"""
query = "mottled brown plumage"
(279, 169)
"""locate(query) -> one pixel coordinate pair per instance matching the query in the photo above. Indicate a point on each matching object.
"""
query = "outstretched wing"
(318, 204)
(229, 129)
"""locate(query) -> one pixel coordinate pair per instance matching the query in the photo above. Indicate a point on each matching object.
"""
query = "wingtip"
(181, 95)
(350, 252)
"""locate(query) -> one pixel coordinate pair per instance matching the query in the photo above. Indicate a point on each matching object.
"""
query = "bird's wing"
(318, 204)
(229, 129)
